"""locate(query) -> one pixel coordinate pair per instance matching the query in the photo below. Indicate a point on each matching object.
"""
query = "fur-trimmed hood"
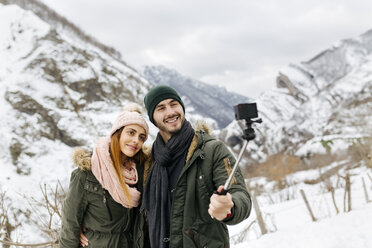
(81, 157)
(199, 127)
(202, 126)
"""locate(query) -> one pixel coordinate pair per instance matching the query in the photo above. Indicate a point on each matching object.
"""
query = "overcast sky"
(238, 44)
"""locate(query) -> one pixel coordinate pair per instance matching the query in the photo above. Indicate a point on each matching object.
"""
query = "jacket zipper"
(196, 154)
(106, 204)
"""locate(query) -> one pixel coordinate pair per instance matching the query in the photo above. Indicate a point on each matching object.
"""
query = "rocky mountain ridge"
(325, 99)
(54, 88)
(59, 91)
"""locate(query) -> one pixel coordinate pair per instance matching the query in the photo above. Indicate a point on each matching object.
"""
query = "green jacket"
(206, 168)
(107, 223)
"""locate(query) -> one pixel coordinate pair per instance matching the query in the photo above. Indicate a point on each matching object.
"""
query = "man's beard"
(164, 129)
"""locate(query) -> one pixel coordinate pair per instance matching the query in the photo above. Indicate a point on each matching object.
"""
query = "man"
(189, 166)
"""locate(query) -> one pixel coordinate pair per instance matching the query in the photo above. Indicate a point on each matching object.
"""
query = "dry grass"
(278, 166)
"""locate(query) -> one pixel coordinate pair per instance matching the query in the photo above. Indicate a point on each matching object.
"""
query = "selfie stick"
(248, 135)
(229, 180)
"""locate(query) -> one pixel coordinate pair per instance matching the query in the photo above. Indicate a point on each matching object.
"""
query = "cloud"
(239, 44)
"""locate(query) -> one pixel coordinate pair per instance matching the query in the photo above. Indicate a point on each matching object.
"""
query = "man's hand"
(220, 205)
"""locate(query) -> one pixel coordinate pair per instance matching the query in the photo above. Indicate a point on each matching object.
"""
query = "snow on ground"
(346, 230)
(290, 225)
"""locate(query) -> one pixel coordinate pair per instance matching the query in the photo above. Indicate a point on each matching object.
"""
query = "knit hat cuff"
(158, 94)
(131, 115)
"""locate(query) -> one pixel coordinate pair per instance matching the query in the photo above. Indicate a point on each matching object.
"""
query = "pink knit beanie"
(131, 115)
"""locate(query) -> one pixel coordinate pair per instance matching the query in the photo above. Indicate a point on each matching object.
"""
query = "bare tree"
(47, 214)
(347, 193)
(52, 202)
(6, 225)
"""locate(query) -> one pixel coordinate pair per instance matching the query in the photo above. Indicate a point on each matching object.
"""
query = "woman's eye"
(142, 138)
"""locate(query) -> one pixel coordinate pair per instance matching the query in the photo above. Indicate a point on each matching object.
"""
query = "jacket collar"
(199, 139)
(81, 157)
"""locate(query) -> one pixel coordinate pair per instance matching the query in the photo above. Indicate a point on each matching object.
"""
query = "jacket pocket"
(97, 240)
(202, 241)
(97, 201)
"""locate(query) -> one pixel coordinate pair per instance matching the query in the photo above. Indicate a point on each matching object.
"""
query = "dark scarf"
(169, 159)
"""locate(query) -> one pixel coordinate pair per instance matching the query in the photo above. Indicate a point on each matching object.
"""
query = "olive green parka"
(89, 205)
(208, 165)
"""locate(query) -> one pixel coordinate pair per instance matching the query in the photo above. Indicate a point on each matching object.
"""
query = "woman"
(106, 188)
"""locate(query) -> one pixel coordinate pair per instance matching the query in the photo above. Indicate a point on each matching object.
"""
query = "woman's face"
(131, 139)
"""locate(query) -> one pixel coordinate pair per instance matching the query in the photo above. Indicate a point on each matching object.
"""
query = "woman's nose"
(135, 139)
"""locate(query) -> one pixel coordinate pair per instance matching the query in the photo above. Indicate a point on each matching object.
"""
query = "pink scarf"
(103, 169)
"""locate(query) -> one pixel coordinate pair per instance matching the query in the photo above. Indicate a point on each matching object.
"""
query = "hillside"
(319, 113)
(60, 88)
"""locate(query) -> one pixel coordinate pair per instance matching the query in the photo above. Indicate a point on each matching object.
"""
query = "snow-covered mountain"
(57, 91)
(55, 88)
(325, 99)
(209, 101)
(60, 88)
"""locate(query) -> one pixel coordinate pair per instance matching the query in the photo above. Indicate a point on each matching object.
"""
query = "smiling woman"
(131, 139)
(101, 207)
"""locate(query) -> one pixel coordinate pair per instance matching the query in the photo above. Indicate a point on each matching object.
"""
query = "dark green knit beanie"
(158, 94)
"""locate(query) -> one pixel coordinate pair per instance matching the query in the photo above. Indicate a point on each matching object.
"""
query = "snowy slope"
(290, 225)
(56, 93)
(59, 91)
(325, 98)
(346, 230)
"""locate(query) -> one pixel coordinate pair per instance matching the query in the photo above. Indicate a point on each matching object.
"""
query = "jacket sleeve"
(240, 196)
(73, 211)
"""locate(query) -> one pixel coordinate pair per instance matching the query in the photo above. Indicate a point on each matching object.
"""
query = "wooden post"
(307, 204)
(261, 223)
(347, 193)
(334, 200)
(365, 191)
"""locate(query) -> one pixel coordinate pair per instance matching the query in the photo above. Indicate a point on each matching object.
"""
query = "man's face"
(169, 117)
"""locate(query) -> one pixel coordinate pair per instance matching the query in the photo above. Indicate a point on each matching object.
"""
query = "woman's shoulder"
(81, 158)
(83, 177)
